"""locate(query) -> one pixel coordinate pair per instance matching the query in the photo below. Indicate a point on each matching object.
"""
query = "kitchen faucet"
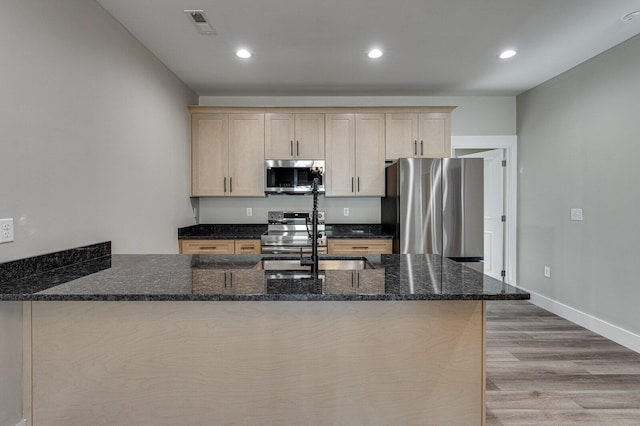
(316, 173)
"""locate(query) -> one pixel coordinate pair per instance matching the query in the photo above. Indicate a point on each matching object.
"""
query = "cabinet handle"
(230, 279)
(225, 184)
(291, 145)
(230, 184)
(360, 247)
(357, 279)
(421, 151)
(351, 279)
(297, 148)
(225, 280)
(358, 183)
(208, 247)
(351, 184)
(246, 247)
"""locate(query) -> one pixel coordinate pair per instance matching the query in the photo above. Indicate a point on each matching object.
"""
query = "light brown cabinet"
(355, 154)
(418, 135)
(370, 281)
(359, 246)
(219, 246)
(294, 136)
(247, 246)
(227, 154)
(236, 281)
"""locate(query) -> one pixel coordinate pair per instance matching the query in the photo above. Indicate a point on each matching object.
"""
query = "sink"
(324, 264)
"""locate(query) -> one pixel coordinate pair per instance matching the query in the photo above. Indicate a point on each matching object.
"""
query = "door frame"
(510, 146)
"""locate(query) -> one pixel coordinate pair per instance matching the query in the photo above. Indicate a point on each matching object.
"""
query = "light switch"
(249, 211)
(576, 214)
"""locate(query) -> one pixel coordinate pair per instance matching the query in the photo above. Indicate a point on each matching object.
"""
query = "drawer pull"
(246, 247)
(360, 247)
(208, 247)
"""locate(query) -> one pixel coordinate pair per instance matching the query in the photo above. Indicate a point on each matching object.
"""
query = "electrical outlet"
(346, 211)
(6, 230)
(249, 211)
(576, 214)
(547, 271)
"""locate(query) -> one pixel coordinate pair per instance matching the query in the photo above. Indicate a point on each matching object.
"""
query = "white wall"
(94, 147)
(474, 116)
(579, 146)
(94, 142)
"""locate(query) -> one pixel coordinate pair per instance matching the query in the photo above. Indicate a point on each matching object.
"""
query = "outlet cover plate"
(6, 230)
(576, 214)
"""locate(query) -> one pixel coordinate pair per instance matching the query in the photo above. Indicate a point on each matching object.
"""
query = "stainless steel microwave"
(291, 176)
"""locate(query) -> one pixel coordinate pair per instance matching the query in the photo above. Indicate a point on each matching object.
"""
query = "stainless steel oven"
(291, 176)
(290, 233)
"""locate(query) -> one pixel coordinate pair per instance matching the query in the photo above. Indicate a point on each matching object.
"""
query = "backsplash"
(234, 210)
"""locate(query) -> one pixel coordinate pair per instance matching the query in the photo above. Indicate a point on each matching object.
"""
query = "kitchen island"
(200, 339)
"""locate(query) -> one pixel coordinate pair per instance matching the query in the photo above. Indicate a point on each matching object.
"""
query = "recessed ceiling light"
(374, 53)
(631, 16)
(510, 53)
(243, 53)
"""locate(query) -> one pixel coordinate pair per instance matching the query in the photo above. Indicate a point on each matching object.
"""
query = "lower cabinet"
(359, 246)
(369, 281)
(236, 281)
(219, 246)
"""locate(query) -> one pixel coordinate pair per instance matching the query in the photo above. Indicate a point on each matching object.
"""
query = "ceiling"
(431, 47)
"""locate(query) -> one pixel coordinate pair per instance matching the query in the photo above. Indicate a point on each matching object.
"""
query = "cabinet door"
(207, 247)
(340, 155)
(209, 154)
(359, 246)
(369, 281)
(309, 136)
(279, 135)
(246, 155)
(248, 247)
(401, 135)
(370, 154)
(435, 135)
(212, 281)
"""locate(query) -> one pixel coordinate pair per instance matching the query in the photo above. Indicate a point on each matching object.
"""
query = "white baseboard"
(601, 327)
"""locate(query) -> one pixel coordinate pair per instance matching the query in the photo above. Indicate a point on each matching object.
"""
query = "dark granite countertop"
(222, 232)
(254, 231)
(232, 278)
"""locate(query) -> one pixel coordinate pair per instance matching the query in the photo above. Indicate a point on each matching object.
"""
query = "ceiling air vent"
(201, 22)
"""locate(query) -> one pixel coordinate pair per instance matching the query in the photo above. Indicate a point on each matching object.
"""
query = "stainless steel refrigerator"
(436, 205)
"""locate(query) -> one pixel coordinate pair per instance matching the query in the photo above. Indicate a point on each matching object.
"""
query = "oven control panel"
(292, 217)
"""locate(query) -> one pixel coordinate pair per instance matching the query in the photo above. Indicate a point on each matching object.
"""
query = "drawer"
(207, 246)
(247, 247)
(359, 246)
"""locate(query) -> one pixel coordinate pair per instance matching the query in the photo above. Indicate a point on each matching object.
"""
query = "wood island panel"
(257, 363)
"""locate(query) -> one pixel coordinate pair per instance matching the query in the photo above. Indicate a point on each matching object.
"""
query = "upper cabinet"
(355, 154)
(294, 136)
(227, 154)
(418, 135)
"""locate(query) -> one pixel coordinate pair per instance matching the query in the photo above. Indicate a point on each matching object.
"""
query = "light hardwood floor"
(544, 370)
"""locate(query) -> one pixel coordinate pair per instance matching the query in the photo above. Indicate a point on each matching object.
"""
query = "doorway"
(499, 154)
